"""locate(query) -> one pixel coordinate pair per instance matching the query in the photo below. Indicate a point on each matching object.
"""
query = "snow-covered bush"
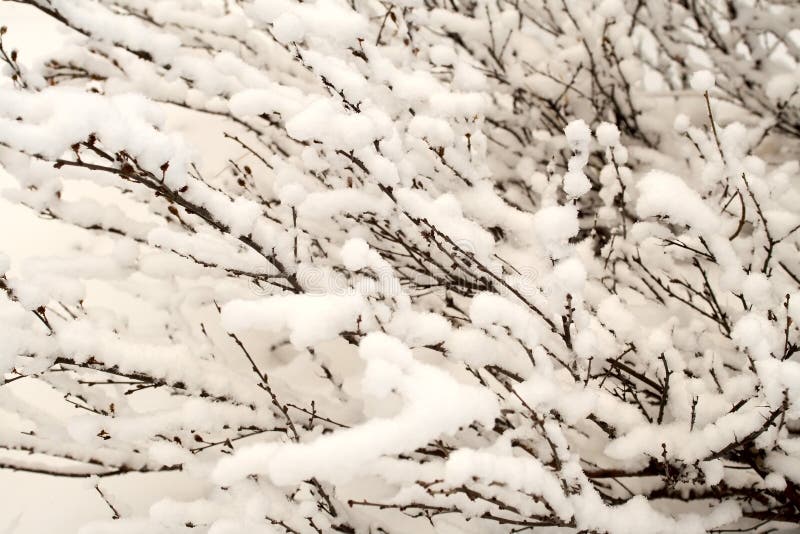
(469, 265)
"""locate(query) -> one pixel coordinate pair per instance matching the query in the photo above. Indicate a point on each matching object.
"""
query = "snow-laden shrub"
(469, 266)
